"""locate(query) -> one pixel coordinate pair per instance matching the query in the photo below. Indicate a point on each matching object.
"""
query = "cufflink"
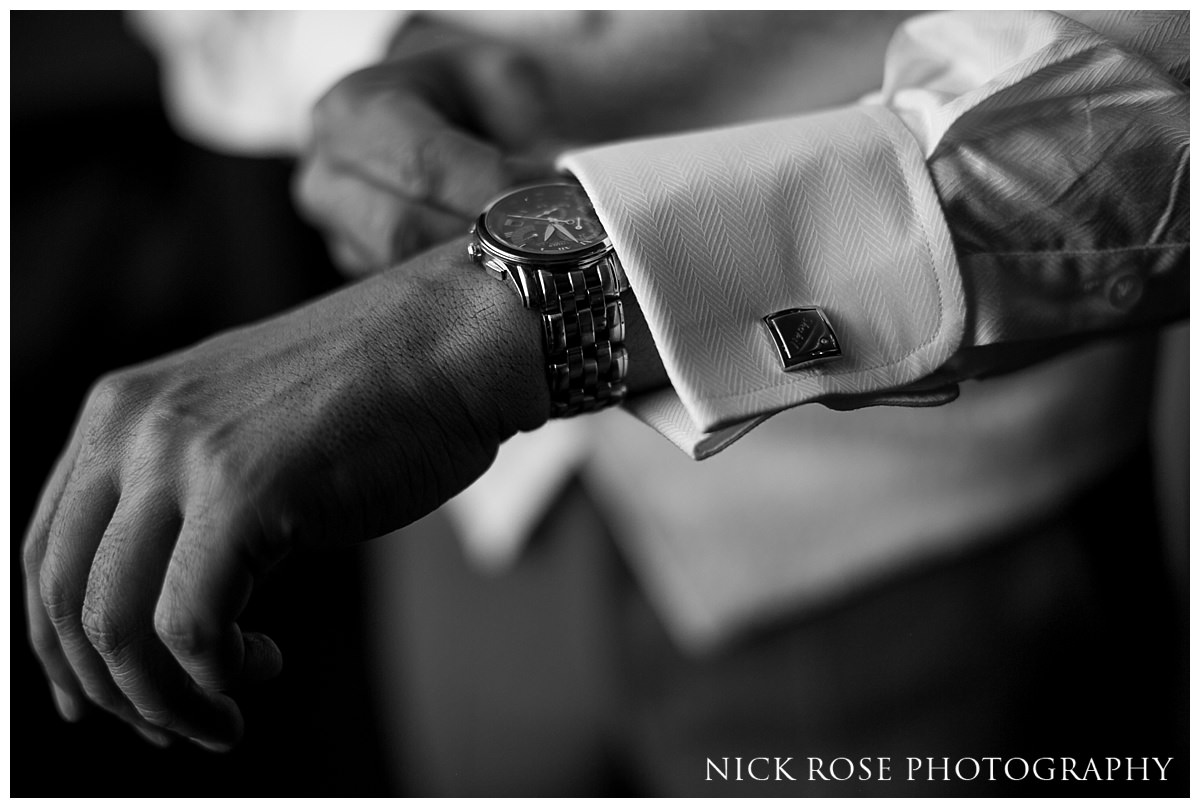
(802, 337)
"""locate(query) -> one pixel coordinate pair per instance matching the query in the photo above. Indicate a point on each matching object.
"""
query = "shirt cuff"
(720, 228)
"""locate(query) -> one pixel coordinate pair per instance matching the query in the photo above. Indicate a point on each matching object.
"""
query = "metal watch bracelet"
(564, 268)
(584, 333)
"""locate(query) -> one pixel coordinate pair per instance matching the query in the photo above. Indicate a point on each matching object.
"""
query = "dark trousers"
(1060, 640)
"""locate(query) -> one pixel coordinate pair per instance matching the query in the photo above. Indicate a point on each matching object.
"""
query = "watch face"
(551, 219)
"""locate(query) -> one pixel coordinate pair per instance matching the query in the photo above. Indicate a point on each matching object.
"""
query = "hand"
(189, 476)
(406, 153)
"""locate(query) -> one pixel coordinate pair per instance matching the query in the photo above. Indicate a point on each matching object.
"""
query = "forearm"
(1063, 179)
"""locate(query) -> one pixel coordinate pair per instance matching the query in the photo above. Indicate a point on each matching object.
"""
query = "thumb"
(263, 659)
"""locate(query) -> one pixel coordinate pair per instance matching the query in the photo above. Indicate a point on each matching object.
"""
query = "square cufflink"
(803, 337)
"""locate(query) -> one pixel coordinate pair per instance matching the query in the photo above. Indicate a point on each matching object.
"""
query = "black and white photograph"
(612, 403)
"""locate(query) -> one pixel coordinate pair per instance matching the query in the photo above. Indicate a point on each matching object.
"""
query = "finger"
(118, 619)
(380, 226)
(77, 529)
(207, 584)
(68, 697)
(487, 85)
(384, 123)
(157, 737)
(67, 707)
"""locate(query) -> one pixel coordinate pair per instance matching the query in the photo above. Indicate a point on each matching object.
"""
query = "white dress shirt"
(721, 227)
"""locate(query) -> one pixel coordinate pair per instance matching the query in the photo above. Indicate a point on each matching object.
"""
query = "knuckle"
(181, 634)
(380, 106)
(109, 393)
(103, 630)
(112, 399)
(509, 67)
(329, 109)
(57, 596)
(216, 458)
(344, 100)
(173, 397)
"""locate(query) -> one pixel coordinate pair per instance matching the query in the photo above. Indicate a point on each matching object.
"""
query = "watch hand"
(566, 233)
(549, 231)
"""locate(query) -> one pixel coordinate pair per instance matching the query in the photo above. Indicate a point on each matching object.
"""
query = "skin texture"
(189, 476)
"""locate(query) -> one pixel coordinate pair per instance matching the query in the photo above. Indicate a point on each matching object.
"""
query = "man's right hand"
(406, 153)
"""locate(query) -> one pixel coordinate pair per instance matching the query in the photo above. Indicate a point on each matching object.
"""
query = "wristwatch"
(545, 241)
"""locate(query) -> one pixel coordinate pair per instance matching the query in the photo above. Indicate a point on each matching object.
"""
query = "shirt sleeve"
(1019, 184)
(244, 82)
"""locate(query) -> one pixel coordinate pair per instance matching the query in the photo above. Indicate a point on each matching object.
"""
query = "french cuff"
(719, 229)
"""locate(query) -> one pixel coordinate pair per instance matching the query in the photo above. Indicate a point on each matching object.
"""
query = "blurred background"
(129, 242)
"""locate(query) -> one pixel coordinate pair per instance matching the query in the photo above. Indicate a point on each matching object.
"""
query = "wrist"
(447, 315)
(543, 242)
(471, 334)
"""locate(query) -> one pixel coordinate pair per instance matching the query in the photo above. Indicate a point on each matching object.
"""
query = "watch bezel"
(566, 260)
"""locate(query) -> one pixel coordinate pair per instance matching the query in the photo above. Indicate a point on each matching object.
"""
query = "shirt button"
(1124, 291)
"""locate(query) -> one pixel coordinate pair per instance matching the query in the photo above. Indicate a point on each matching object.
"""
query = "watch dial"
(545, 219)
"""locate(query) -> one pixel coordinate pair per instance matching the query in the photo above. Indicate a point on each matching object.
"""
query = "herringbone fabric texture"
(1022, 182)
(719, 229)
(722, 227)
(1054, 152)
